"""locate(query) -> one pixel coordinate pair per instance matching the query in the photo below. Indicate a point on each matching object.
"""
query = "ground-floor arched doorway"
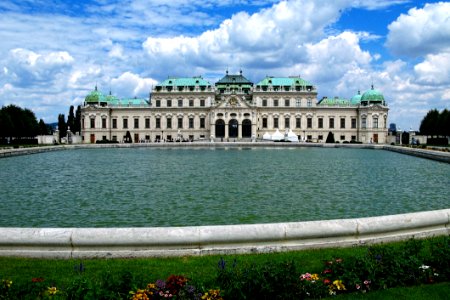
(233, 126)
(246, 128)
(220, 128)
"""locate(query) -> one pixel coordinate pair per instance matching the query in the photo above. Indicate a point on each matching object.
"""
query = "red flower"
(326, 281)
(37, 279)
(327, 271)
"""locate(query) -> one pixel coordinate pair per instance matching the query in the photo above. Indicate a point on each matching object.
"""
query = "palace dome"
(372, 96)
(355, 100)
(95, 97)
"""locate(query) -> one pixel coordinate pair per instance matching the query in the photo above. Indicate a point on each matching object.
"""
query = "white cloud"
(422, 31)
(434, 70)
(29, 68)
(129, 84)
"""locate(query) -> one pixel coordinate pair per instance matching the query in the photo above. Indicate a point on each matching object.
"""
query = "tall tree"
(77, 122)
(43, 128)
(71, 119)
(62, 126)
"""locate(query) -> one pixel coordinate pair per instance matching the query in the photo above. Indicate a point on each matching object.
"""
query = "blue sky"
(54, 52)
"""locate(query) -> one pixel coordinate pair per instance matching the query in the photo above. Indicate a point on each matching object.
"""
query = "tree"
(429, 124)
(62, 126)
(71, 119)
(17, 123)
(43, 128)
(330, 138)
(77, 122)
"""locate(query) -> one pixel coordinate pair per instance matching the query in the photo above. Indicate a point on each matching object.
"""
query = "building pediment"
(233, 101)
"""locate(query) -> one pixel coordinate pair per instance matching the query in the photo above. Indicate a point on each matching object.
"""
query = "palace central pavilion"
(234, 109)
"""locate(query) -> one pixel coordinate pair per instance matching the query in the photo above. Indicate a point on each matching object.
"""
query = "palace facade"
(234, 109)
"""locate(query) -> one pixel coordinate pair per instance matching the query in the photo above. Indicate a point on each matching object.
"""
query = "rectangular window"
(202, 103)
(363, 123)
(114, 138)
(191, 122)
(264, 122)
(275, 122)
(147, 138)
(92, 122)
(320, 138)
(202, 122)
(309, 103)
(136, 123)
(103, 123)
(298, 123)
(147, 123)
(169, 123)
(298, 102)
(320, 123)
(114, 123)
(104, 137)
(158, 123)
(353, 137)
(287, 122)
(342, 122)
(158, 103)
(125, 123)
(353, 123)
(331, 122)
(180, 122)
(309, 138)
(309, 123)
(275, 102)
(375, 123)
(169, 103)
(286, 102)
(342, 137)
(191, 102)
(180, 102)
(264, 102)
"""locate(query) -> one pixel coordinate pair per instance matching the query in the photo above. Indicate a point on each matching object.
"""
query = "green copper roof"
(284, 81)
(334, 102)
(372, 95)
(95, 97)
(184, 81)
(356, 99)
(239, 80)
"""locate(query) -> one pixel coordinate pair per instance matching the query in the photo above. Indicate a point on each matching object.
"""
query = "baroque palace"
(234, 109)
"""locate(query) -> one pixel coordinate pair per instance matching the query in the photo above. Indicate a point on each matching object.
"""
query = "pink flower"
(357, 286)
(366, 282)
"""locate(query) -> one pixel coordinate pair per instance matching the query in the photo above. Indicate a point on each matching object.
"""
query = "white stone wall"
(223, 239)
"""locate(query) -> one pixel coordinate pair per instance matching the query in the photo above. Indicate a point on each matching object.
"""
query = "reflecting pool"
(135, 187)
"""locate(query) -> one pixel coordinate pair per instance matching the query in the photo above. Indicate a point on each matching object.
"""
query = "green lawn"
(203, 271)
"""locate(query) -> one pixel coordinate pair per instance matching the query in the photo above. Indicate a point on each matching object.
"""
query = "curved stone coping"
(223, 239)
(424, 153)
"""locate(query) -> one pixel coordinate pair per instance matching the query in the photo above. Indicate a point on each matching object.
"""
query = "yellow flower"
(52, 290)
(339, 285)
(7, 283)
(314, 277)
(212, 295)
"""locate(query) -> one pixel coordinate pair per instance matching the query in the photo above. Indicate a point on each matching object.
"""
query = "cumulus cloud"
(28, 68)
(434, 70)
(129, 84)
(422, 31)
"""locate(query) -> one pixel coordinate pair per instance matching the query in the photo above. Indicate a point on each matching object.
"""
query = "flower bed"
(370, 268)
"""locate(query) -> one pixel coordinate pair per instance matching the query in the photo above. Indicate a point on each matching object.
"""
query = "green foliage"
(436, 123)
(291, 275)
(330, 138)
(16, 122)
